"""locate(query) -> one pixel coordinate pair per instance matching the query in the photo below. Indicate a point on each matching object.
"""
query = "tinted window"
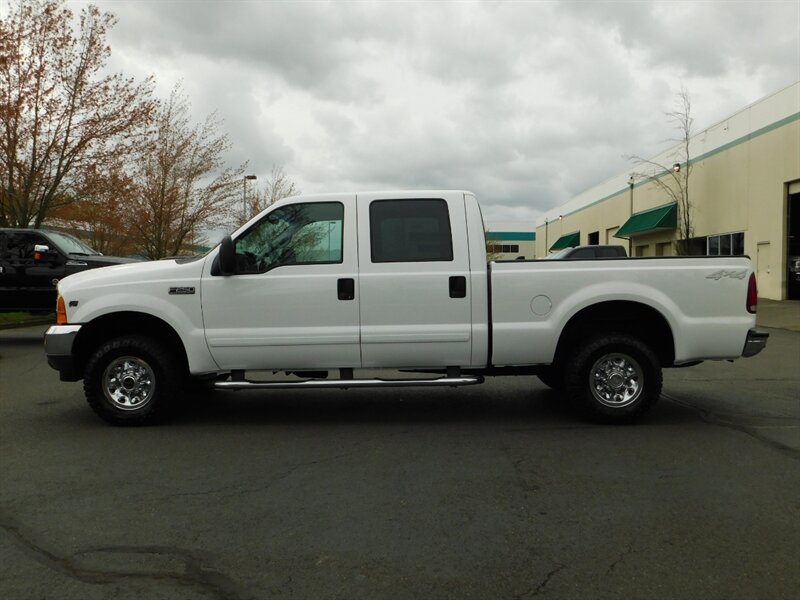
(18, 245)
(70, 245)
(726, 244)
(297, 234)
(410, 231)
(612, 251)
(583, 253)
(737, 244)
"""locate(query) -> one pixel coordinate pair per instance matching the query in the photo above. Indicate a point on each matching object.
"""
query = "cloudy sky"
(525, 103)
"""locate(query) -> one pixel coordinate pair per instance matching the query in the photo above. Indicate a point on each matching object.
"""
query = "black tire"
(132, 380)
(614, 376)
(552, 377)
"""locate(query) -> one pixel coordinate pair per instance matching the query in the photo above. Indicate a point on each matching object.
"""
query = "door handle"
(346, 289)
(458, 286)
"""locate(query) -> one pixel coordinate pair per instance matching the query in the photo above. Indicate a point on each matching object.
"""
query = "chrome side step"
(347, 383)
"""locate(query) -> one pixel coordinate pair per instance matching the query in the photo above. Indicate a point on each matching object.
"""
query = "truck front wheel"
(131, 380)
(615, 376)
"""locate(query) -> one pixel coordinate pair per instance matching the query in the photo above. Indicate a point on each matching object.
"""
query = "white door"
(415, 300)
(293, 303)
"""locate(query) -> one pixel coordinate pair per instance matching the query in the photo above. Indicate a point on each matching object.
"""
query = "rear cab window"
(410, 231)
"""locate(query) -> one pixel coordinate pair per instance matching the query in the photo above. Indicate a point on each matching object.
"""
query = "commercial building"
(744, 191)
(510, 240)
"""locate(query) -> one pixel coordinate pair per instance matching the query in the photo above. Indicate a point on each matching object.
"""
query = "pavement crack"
(235, 490)
(753, 431)
(523, 481)
(530, 593)
(620, 559)
(547, 579)
(182, 566)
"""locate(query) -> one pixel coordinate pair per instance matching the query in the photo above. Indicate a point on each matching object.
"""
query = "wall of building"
(510, 240)
(741, 171)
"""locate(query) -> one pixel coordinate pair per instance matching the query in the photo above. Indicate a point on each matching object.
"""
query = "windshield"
(70, 245)
(560, 254)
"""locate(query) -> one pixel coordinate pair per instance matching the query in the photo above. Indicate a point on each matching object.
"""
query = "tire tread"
(576, 376)
(163, 364)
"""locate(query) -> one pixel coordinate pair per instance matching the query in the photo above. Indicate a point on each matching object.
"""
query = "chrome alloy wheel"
(128, 383)
(616, 380)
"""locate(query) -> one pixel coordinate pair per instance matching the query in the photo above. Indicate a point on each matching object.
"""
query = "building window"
(594, 238)
(727, 244)
(505, 248)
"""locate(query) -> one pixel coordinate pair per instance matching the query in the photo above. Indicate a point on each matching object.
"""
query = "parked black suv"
(32, 261)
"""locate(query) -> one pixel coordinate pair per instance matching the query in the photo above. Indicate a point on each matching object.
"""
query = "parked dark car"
(32, 261)
(585, 252)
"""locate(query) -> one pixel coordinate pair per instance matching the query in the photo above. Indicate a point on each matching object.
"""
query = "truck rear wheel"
(615, 376)
(131, 380)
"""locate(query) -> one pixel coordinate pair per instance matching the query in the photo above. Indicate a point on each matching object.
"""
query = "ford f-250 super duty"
(393, 280)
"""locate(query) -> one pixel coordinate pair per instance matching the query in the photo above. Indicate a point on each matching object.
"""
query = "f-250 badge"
(181, 291)
(732, 274)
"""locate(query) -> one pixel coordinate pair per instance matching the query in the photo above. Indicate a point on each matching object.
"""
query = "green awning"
(655, 219)
(567, 241)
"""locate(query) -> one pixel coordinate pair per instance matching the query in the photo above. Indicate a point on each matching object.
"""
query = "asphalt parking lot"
(494, 491)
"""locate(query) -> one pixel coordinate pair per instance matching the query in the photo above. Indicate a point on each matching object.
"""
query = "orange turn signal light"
(61, 312)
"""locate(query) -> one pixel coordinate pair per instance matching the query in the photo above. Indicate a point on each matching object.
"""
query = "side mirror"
(227, 256)
(42, 253)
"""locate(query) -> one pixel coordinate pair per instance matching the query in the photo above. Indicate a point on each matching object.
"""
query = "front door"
(25, 282)
(293, 303)
(414, 281)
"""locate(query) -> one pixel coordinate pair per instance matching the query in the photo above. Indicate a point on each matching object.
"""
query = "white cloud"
(527, 104)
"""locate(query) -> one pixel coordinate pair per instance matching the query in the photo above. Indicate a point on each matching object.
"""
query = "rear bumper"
(58, 342)
(755, 343)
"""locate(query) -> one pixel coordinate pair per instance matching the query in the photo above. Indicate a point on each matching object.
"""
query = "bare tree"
(181, 186)
(277, 187)
(673, 179)
(59, 115)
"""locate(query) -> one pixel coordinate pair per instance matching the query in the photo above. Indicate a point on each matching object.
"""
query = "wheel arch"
(622, 316)
(116, 324)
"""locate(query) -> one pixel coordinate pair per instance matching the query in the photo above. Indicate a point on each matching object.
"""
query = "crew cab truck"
(328, 284)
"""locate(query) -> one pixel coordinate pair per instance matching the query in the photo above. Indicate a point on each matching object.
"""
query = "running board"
(347, 383)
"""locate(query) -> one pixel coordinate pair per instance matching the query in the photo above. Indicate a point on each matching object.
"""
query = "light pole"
(244, 195)
(630, 214)
(545, 237)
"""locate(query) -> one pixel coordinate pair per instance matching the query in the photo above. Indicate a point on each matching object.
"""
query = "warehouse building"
(744, 190)
(511, 240)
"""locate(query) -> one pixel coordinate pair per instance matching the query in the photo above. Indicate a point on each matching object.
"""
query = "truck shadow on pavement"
(523, 407)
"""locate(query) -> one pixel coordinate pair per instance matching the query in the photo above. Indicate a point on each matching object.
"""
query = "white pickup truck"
(327, 284)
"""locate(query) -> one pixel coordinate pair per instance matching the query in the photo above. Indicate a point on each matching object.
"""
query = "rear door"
(413, 281)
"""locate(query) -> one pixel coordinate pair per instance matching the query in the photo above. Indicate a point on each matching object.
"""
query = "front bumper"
(58, 342)
(756, 341)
